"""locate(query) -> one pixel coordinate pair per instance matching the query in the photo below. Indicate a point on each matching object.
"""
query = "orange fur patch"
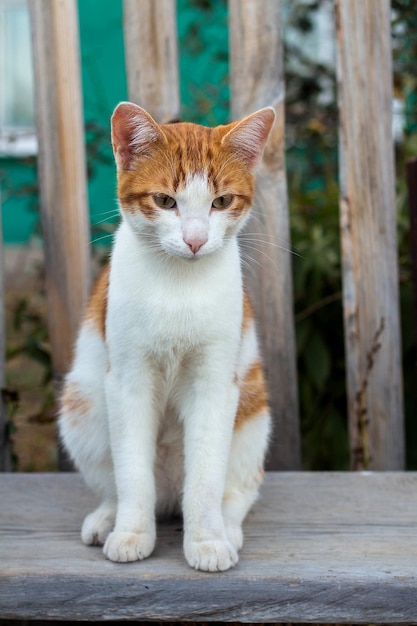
(247, 312)
(97, 306)
(253, 397)
(74, 403)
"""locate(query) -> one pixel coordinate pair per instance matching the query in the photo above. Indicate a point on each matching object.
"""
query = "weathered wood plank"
(152, 57)
(62, 171)
(319, 548)
(5, 465)
(368, 225)
(256, 57)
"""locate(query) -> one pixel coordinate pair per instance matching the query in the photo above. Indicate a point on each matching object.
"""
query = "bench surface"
(320, 547)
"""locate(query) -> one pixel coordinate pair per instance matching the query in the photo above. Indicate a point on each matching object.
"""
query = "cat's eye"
(223, 202)
(164, 202)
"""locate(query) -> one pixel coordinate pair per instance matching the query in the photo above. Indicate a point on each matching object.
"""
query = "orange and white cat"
(165, 408)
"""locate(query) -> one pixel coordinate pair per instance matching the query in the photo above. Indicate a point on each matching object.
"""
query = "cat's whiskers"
(266, 239)
(258, 248)
(248, 262)
(97, 239)
(152, 244)
(107, 219)
(110, 212)
(259, 251)
(257, 217)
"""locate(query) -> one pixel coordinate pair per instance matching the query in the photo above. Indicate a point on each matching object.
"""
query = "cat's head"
(186, 188)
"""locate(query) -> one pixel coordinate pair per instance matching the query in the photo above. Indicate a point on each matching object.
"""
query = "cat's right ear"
(247, 137)
(133, 131)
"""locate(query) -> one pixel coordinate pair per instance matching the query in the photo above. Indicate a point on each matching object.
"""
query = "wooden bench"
(325, 547)
(320, 547)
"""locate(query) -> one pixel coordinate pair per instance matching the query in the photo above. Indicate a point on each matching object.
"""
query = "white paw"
(235, 535)
(210, 556)
(123, 547)
(96, 528)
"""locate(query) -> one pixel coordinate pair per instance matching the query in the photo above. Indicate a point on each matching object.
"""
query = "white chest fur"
(162, 303)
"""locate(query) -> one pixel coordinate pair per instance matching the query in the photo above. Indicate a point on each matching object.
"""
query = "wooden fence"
(367, 207)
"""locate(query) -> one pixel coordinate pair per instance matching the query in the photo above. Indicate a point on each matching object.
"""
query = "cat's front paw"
(123, 547)
(210, 556)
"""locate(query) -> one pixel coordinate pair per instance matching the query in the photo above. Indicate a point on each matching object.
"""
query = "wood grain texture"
(151, 53)
(256, 58)
(368, 227)
(320, 547)
(62, 171)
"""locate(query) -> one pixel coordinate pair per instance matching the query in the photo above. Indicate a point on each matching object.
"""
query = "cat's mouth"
(194, 258)
(182, 255)
(186, 254)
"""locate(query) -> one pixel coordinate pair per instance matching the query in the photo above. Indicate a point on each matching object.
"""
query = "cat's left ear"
(248, 137)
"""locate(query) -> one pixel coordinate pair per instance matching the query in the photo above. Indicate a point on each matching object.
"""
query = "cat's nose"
(195, 243)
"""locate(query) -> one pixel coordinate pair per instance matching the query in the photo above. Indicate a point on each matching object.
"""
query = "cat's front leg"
(133, 428)
(208, 425)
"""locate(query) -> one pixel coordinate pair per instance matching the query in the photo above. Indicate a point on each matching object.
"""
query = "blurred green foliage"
(405, 89)
(311, 126)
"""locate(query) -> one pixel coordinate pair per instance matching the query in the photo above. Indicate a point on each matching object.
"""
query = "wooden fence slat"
(5, 464)
(368, 226)
(256, 57)
(152, 57)
(62, 171)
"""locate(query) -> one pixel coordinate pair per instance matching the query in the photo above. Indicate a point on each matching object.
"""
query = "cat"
(165, 409)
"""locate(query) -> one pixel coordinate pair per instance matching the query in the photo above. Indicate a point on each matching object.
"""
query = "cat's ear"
(248, 137)
(133, 131)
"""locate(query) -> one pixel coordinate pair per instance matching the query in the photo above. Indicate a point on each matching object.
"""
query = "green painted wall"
(19, 199)
(202, 30)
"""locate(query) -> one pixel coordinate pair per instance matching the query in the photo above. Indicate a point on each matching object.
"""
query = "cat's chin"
(190, 258)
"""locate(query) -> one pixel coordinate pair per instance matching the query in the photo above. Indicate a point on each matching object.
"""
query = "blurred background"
(312, 165)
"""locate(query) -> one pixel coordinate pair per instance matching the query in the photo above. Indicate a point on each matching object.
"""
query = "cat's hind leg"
(98, 524)
(250, 436)
(245, 473)
(84, 432)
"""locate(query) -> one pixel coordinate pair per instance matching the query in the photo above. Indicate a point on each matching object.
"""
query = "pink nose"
(195, 243)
